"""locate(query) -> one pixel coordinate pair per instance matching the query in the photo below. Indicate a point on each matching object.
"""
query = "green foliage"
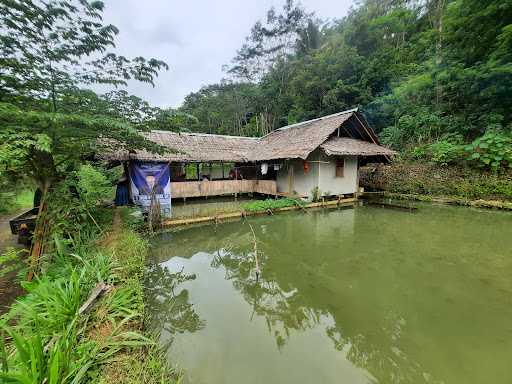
(445, 152)
(406, 63)
(316, 194)
(48, 125)
(51, 342)
(13, 200)
(271, 204)
(49, 47)
(93, 186)
(10, 261)
(493, 150)
(421, 178)
(224, 108)
(274, 39)
(46, 145)
(74, 203)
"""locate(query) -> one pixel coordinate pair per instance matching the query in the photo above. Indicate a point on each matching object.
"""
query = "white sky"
(195, 37)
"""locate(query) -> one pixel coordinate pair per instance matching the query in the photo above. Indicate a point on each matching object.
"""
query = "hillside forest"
(433, 78)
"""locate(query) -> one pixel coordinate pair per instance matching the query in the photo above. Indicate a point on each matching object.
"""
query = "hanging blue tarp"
(148, 177)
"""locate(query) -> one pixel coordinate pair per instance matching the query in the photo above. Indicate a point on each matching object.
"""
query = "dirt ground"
(10, 288)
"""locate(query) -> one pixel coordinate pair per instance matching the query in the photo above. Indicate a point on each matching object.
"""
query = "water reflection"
(363, 295)
(167, 305)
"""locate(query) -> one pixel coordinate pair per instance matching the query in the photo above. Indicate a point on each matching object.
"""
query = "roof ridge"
(318, 119)
(204, 134)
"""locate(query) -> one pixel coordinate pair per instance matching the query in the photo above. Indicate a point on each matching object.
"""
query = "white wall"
(302, 183)
(330, 184)
(322, 173)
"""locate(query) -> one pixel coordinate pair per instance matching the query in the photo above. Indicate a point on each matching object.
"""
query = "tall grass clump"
(49, 335)
(51, 341)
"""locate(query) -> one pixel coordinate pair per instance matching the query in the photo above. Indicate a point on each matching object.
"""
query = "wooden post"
(39, 237)
(290, 176)
(197, 170)
(222, 165)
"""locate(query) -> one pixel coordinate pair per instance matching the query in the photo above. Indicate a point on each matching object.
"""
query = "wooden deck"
(222, 187)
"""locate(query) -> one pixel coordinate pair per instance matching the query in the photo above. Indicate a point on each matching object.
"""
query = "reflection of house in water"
(316, 157)
(311, 268)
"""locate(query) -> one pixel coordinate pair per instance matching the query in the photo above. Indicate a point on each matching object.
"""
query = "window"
(191, 171)
(340, 167)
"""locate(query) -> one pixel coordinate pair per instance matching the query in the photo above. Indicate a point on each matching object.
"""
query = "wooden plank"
(221, 187)
(98, 290)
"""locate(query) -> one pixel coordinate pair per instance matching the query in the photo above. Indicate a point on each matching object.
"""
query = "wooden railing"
(221, 187)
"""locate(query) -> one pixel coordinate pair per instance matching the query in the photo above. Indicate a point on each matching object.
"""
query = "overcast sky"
(195, 37)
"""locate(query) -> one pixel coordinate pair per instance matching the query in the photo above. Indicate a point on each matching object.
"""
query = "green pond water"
(357, 295)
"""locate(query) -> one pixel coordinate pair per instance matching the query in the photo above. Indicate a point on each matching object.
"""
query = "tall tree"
(48, 50)
(270, 41)
(47, 47)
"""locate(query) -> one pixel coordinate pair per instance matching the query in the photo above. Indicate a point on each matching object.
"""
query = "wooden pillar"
(222, 166)
(290, 176)
(197, 170)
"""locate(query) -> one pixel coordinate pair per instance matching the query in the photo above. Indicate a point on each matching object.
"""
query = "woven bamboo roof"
(339, 146)
(293, 141)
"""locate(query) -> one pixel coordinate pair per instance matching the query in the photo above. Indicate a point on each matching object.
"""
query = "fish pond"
(354, 295)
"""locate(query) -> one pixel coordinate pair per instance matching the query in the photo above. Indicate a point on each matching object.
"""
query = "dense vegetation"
(50, 133)
(49, 337)
(421, 178)
(432, 76)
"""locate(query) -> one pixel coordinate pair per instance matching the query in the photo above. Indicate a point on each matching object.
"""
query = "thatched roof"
(298, 140)
(344, 133)
(195, 147)
(339, 146)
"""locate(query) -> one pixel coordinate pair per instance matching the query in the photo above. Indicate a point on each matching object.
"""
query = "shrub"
(270, 204)
(93, 185)
(445, 152)
(492, 151)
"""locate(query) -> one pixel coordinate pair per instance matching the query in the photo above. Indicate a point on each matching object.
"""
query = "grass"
(271, 204)
(46, 340)
(11, 201)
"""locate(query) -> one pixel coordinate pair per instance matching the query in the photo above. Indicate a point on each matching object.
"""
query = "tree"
(49, 49)
(51, 46)
(273, 40)
(45, 146)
